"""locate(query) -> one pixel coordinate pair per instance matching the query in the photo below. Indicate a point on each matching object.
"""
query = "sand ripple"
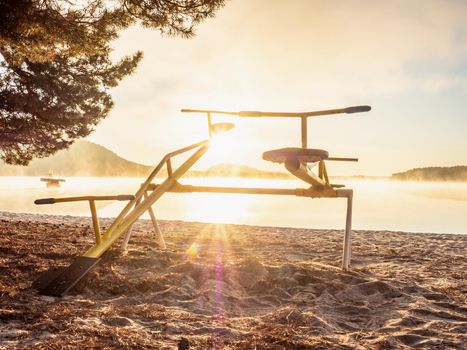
(234, 287)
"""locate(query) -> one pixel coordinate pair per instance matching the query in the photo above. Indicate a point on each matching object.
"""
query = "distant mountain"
(83, 158)
(455, 173)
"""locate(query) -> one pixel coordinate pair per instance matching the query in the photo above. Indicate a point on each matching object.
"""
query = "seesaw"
(299, 161)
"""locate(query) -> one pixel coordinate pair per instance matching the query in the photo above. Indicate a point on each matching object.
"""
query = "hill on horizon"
(83, 158)
(454, 173)
(86, 158)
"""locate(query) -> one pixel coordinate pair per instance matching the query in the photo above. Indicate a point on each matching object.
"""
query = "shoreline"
(53, 218)
(233, 287)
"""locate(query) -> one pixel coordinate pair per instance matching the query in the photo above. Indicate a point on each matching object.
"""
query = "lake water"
(378, 204)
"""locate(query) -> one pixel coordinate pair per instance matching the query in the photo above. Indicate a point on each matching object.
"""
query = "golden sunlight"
(222, 149)
(218, 208)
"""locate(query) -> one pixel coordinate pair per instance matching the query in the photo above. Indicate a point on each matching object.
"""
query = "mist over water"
(378, 204)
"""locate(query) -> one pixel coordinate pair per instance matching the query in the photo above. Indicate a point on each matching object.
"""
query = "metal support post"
(347, 251)
(304, 129)
(157, 231)
(95, 221)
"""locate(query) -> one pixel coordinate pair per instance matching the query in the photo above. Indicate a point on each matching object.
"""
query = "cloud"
(292, 55)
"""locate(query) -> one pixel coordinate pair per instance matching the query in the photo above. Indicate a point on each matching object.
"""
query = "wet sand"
(233, 287)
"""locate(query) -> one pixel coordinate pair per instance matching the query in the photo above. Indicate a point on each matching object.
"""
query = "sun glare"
(219, 208)
(222, 149)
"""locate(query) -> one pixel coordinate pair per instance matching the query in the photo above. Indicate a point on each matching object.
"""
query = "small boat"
(51, 180)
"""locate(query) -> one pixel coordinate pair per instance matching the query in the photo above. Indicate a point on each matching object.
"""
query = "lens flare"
(193, 251)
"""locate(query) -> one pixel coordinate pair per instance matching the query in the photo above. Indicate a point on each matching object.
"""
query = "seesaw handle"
(120, 197)
(45, 201)
(357, 109)
(125, 197)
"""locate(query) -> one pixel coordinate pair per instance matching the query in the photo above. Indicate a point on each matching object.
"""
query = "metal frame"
(149, 193)
(302, 115)
(300, 192)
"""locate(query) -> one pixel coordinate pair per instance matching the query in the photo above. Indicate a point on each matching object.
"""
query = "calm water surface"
(378, 204)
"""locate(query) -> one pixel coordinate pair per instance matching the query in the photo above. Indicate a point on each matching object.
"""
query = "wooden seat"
(303, 155)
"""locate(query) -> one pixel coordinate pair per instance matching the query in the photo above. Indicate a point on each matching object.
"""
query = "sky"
(407, 59)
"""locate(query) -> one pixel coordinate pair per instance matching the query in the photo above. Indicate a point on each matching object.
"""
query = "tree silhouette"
(55, 66)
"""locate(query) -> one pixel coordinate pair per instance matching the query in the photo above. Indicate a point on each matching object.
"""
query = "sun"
(222, 149)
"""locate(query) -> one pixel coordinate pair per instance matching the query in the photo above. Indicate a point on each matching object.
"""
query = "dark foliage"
(455, 173)
(55, 66)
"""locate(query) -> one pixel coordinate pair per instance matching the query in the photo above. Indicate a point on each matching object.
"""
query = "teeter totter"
(299, 161)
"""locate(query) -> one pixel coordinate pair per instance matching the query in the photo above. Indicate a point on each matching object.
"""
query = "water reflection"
(379, 204)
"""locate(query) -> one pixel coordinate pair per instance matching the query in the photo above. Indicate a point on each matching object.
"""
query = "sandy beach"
(233, 287)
